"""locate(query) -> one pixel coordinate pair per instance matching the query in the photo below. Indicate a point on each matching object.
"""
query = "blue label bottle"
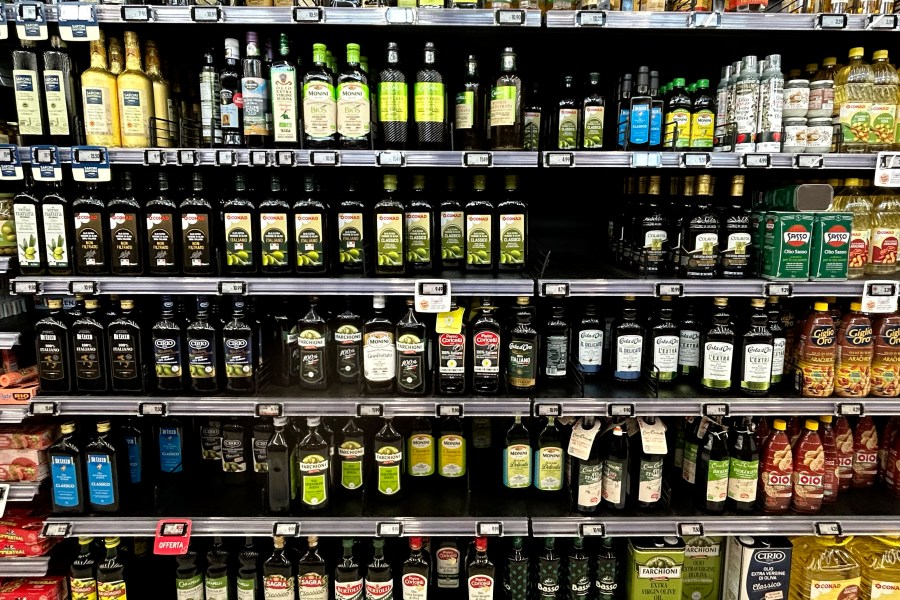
(102, 472)
(66, 474)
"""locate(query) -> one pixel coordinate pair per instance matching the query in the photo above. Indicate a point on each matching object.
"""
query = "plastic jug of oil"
(824, 569)
(879, 557)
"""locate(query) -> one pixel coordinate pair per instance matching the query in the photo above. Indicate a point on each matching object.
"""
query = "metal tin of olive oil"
(830, 253)
(703, 558)
(655, 568)
(787, 245)
(757, 568)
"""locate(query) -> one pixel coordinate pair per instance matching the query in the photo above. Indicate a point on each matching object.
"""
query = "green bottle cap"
(678, 82)
(353, 54)
(319, 53)
(692, 87)
(702, 84)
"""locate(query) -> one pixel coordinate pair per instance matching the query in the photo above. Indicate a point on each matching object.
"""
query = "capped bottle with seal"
(480, 573)
(278, 573)
(218, 582)
(53, 350)
(312, 335)
(743, 467)
(90, 349)
(310, 217)
(319, 103)
(388, 215)
(239, 350)
(485, 343)
(627, 344)
(549, 459)
(379, 350)
(430, 104)
(735, 240)
(393, 101)
(713, 462)
(126, 351)
(699, 252)
(517, 456)
(718, 351)
(566, 130)
(415, 576)
(66, 473)
(100, 102)
(555, 346)
(379, 579)
(276, 231)
(240, 230)
(757, 350)
(91, 218)
(469, 123)
(313, 484)
(420, 450)
(285, 96)
(549, 570)
(452, 356)
(135, 97)
(57, 230)
(353, 107)
(506, 106)
(347, 340)
(522, 350)
(389, 461)
(163, 230)
(197, 230)
(419, 225)
(348, 581)
(203, 350)
(279, 455)
(779, 342)
(663, 343)
(83, 572)
(480, 242)
(809, 470)
(111, 575)
(412, 359)
(512, 223)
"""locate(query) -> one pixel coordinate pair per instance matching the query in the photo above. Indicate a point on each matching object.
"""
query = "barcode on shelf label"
(225, 158)
(493, 528)
(592, 529)
(477, 159)
(30, 21)
(286, 529)
(4, 30)
(285, 158)
(25, 287)
(548, 410)
(43, 408)
(390, 159)
(832, 21)
(506, 16)
(881, 22)
(10, 165)
(154, 157)
(808, 161)
(187, 158)
(779, 289)
(690, 529)
(828, 529)
(389, 529)
(7, 155)
(850, 409)
(621, 410)
(559, 159)
(269, 410)
(232, 288)
(369, 410)
(83, 287)
(669, 289)
(556, 288)
(756, 161)
(304, 14)
(206, 14)
(56, 529)
(715, 410)
(695, 159)
(592, 18)
(152, 409)
(259, 158)
(135, 13)
(449, 410)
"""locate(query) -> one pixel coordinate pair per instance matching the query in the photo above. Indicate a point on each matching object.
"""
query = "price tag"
(507, 16)
(226, 158)
(10, 164)
(305, 14)
(324, 159)
(778, 289)
(269, 410)
(259, 158)
(154, 158)
(756, 161)
(136, 14)
(705, 19)
(592, 529)
(669, 289)
(45, 165)
(831, 21)
(400, 15)
(849, 409)
(90, 163)
(55, 529)
(559, 159)
(206, 14)
(591, 18)
(4, 30)
(22, 288)
(695, 159)
(828, 529)
(369, 410)
(556, 288)
(390, 159)
(389, 529)
(286, 529)
(187, 158)
(547, 410)
(881, 22)
(42, 409)
(880, 296)
(4, 497)
(449, 410)
(477, 159)
(715, 410)
(152, 409)
(172, 537)
(232, 288)
(690, 529)
(432, 295)
(808, 161)
(31, 24)
(83, 287)
(620, 410)
(285, 158)
(646, 159)
(486, 529)
(887, 169)
(78, 21)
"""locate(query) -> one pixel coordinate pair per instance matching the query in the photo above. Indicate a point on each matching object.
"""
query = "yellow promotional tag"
(450, 322)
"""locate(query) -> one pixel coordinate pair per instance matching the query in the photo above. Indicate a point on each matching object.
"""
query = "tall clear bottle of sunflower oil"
(823, 568)
(853, 95)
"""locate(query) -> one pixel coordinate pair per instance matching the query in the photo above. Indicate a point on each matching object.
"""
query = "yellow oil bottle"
(824, 569)
(879, 558)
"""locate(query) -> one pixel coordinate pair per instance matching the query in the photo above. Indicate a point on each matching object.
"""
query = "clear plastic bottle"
(853, 94)
(825, 560)
(885, 98)
(853, 199)
(879, 559)
(883, 246)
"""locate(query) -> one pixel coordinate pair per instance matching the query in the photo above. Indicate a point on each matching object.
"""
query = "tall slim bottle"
(53, 350)
(412, 360)
(111, 575)
(57, 226)
(485, 343)
(313, 484)
(276, 231)
(231, 105)
(627, 344)
(566, 127)
(663, 342)
(555, 346)
(469, 117)
(348, 581)
(718, 351)
(169, 349)
(197, 231)
(480, 238)
(310, 217)
(239, 351)
(480, 572)
(164, 133)
(430, 104)
(285, 97)
(278, 573)
(533, 128)
(66, 473)
(210, 102)
(126, 350)
(353, 230)
(593, 114)
(255, 93)
(379, 579)
(240, 231)
(522, 351)
(27, 81)
(312, 335)
(353, 107)
(319, 104)
(135, 97)
(388, 214)
(757, 351)
(124, 232)
(549, 459)
(83, 572)
(29, 230)
(280, 488)
(512, 222)
(507, 106)
(389, 461)
(90, 216)
(379, 350)
(249, 582)
(89, 347)
(393, 102)
(419, 225)
(202, 343)
(163, 230)
(102, 471)
(63, 124)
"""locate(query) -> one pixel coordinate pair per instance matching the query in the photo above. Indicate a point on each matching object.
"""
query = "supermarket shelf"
(562, 286)
(460, 284)
(13, 413)
(281, 15)
(6, 262)
(24, 567)
(727, 160)
(22, 491)
(730, 21)
(266, 526)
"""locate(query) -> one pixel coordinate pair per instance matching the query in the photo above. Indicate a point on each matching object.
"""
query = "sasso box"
(787, 245)
(757, 568)
(830, 253)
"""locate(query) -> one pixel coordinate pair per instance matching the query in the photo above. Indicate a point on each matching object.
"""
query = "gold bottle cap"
(279, 542)
(103, 427)
(758, 303)
(857, 52)
(853, 182)
(880, 54)
(630, 298)
(418, 182)
(665, 298)
(390, 182)
(704, 185)
(127, 304)
(655, 185)
(112, 542)
(54, 304)
(779, 424)
(773, 300)
(642, 185)
(812, 67)
(522, 301)
(512, 182)
(720, 302)
(812, 425)
(829, 61)
(826, 418)
(91, 304)
(820, 306)
(479, 182)
(856, 306)
(689, 182)
(67, 428)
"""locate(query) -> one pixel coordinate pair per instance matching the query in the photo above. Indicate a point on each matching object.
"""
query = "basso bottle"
(548, 570)
(312, 334)
(517, 456)
(485, 342)
(66, 473)
(809, 470)
(522, 350)
(516, 574)
(412, 364)
(53, 351)
(627, 344)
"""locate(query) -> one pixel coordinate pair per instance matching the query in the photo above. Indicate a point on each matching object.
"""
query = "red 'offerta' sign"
(172, 537)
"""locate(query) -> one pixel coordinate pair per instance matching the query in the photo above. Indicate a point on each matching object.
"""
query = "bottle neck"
(133, 57)
(152, 63)
(98, 56)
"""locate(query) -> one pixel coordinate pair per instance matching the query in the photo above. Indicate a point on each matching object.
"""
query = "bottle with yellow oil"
(824, 569)
(100, 97)
(162, 130)
(135, 97)
(879, 557)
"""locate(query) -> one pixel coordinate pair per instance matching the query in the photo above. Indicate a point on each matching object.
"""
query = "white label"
(28, 102)
(717, 358)
(778, 356)
(653, 437)
(57, 110)
(665, 353)
(589, 495)
(26, 232)
(415, 587)
(348, 590)
(54, 231)
(590, 347)
(757, 363)
(379, 590)
(628, 353)
(689, 348)
(379, 356)
(581, 440)
(481, 587)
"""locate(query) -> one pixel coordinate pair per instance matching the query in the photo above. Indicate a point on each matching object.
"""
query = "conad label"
(839, 589)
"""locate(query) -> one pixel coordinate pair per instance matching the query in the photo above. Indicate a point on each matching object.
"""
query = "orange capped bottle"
(809, 470)
(776, 467)
(854, 354)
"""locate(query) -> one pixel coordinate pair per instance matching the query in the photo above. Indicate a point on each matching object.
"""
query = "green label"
(313, 474)
(478, 239)
(350, 237)
(452, 456)
(532, 130)
(548, 469)
(465, 110)
(702, 569)
(216, 588)
(689, 462)
(275, 242)
(512, 239)
(351, 474)
(389, 233)
(429, 101)
(389, 479)
(238, 239)
(310, 248)
(517, 466)
(418, 237)
(717, 480)
(567, 134)
(503, 105)
(420, 454)
(393, 101)
(189, 589)
(593, 126)
(855, 122)
(246, 589)
(313, 489)
(882, 131)
(353, 109)
(452, 239)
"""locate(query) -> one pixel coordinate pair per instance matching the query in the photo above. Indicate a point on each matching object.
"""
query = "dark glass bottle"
(757, 349)
(168, 349)
(416, 575)
(313, 483)
(29, 229)
(718, 351)
(255, 94)
(469, 116)
(646, 466)
(389, 461)
(276, 231)
(66, 474)
(412, 360)
(743, 466)
(735, 239)
(480, 572)
(430, 104)
(111, 575)
(170, 443)
(125, 217)
(593, 114)
(588, 343)
(352, 453)
(217, 582)
(452, 228)
(319, 106)
(388, 215)
(347, 340)
(517, 456)
(607, 573)
(555, 346)
(352, 231)
(278, 573)
(312, 337)
(249, 584)
(711, 489)
(532, 114)
(639, 113)
(689, 344)
(506, 108)
(231, 106)
(549, 459)
(653, 244)
(616, 467)
(197, 230)
(310, 224)
(662, 343)
(286, 353)
(285, 97)
(188, 575)
(126, 350)
(203, 345)
(549, 571)
(348, 581)
(512, 222)
(516, 576)
(451, 357)
(379, 350)
(699, 253)
(280, 488)
(677, 118)
(131, 434)
(163, 232)
(379, 579)
(83, 571)
(53, 351)
(485, 343)
(627, 344)
(623, 114)
(91, 242)
(353, 108)
(239, 351)
(566, 128)
(585, 471)
(779, 342)
(236, 452)
(210, 102)
(393, 101)
(240, 230)
(522, 351)
(480, 242)
(90, 350)
(57, 230)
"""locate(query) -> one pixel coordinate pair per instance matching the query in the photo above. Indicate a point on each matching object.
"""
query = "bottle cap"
(879, 54)
(479, 182)
(853, 182)
(390, 182)
(678, 82)
(232, 48)
(665, 298)
(617, 430)
(779, 424)
(826, 418)
(415, 543)
(67, 428)
(522, 300)
(418, 182)
(720, 302)
(84, 541)
(54, 303)
(347, 543)
(378, 301)
(313, 541)
(90, 304)
(313, 421)
(127, 304)
(481, 544)
(512, 181)
(758, 303)
(103, 427)
(857, 52)
(820, 306)
(279, 542)
(812, 67)
(280, 421)
(702, 83)
(112, 542)
(517, 543)
(856, 306)
(773, 299)
(812, 425)
(829, 61)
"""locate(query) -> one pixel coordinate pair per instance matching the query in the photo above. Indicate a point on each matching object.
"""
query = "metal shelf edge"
(24, 567)
(23, 491)
(685, 21)
(693, 287)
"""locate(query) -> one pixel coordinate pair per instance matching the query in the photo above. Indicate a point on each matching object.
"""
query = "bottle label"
(389, 233)
(486, 352)
(639, 132)
(415, 587)
(736, 255)
(230, 111)
(429, 102)
(86, 589)
(650, 480)
(859, 247)
(465, 110)
(689, 462)
(628, 356)
(612, 485)
(389, 460)
(101, 486)
(27, 234)
(273, 230)
(246, 589)
(567, 134)
(590, 484)
(350, 238)
(884, 245)
(778, 350)
(503, 105)
(656, 118)
(448, 568)
(167, 356)
(452, 456)
(278, 587)
(517, 466)
(349, 590)
(607, 581)
(884, 590)
(284, 104)
(123, 228)
(312, 356)
(379, 590)
(532, 130)
(238, 357)
(557, 355)
(418, 237)
(379, 356)
(197, 251)
(161, 240)
(261, 452)
(833, 589)
(314, 480)
(512, 239)
(702, 129)
(393, 101)
(98, 117)
(743, 479)
(88, 239)
(239, 239)
(590, 350)
(28, 102)
(717, 481)
(51, 359)
(548, 469)
(319, 109)
(521, 371)
(216, 588)
(112, 590)
(255, 93)
(170, 460)
(351, 454)
(481, 587)
(233, 459)
(310, 244)
(757, 373)
(855, 120)
(135, 112)
(452, 354)
(420, 454)
(210, 94)
(211, 442)
(452, 240)
(135, 453)
(87, 354)
(410, 362)
(353, 118)
(55, 236)
(348, 339)
(65, 481)
(717, 357)
(665, 356)
(478, 240)
(57, 108)
(124, 347)
(678, 128)
(746, 102)
(882, 131)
